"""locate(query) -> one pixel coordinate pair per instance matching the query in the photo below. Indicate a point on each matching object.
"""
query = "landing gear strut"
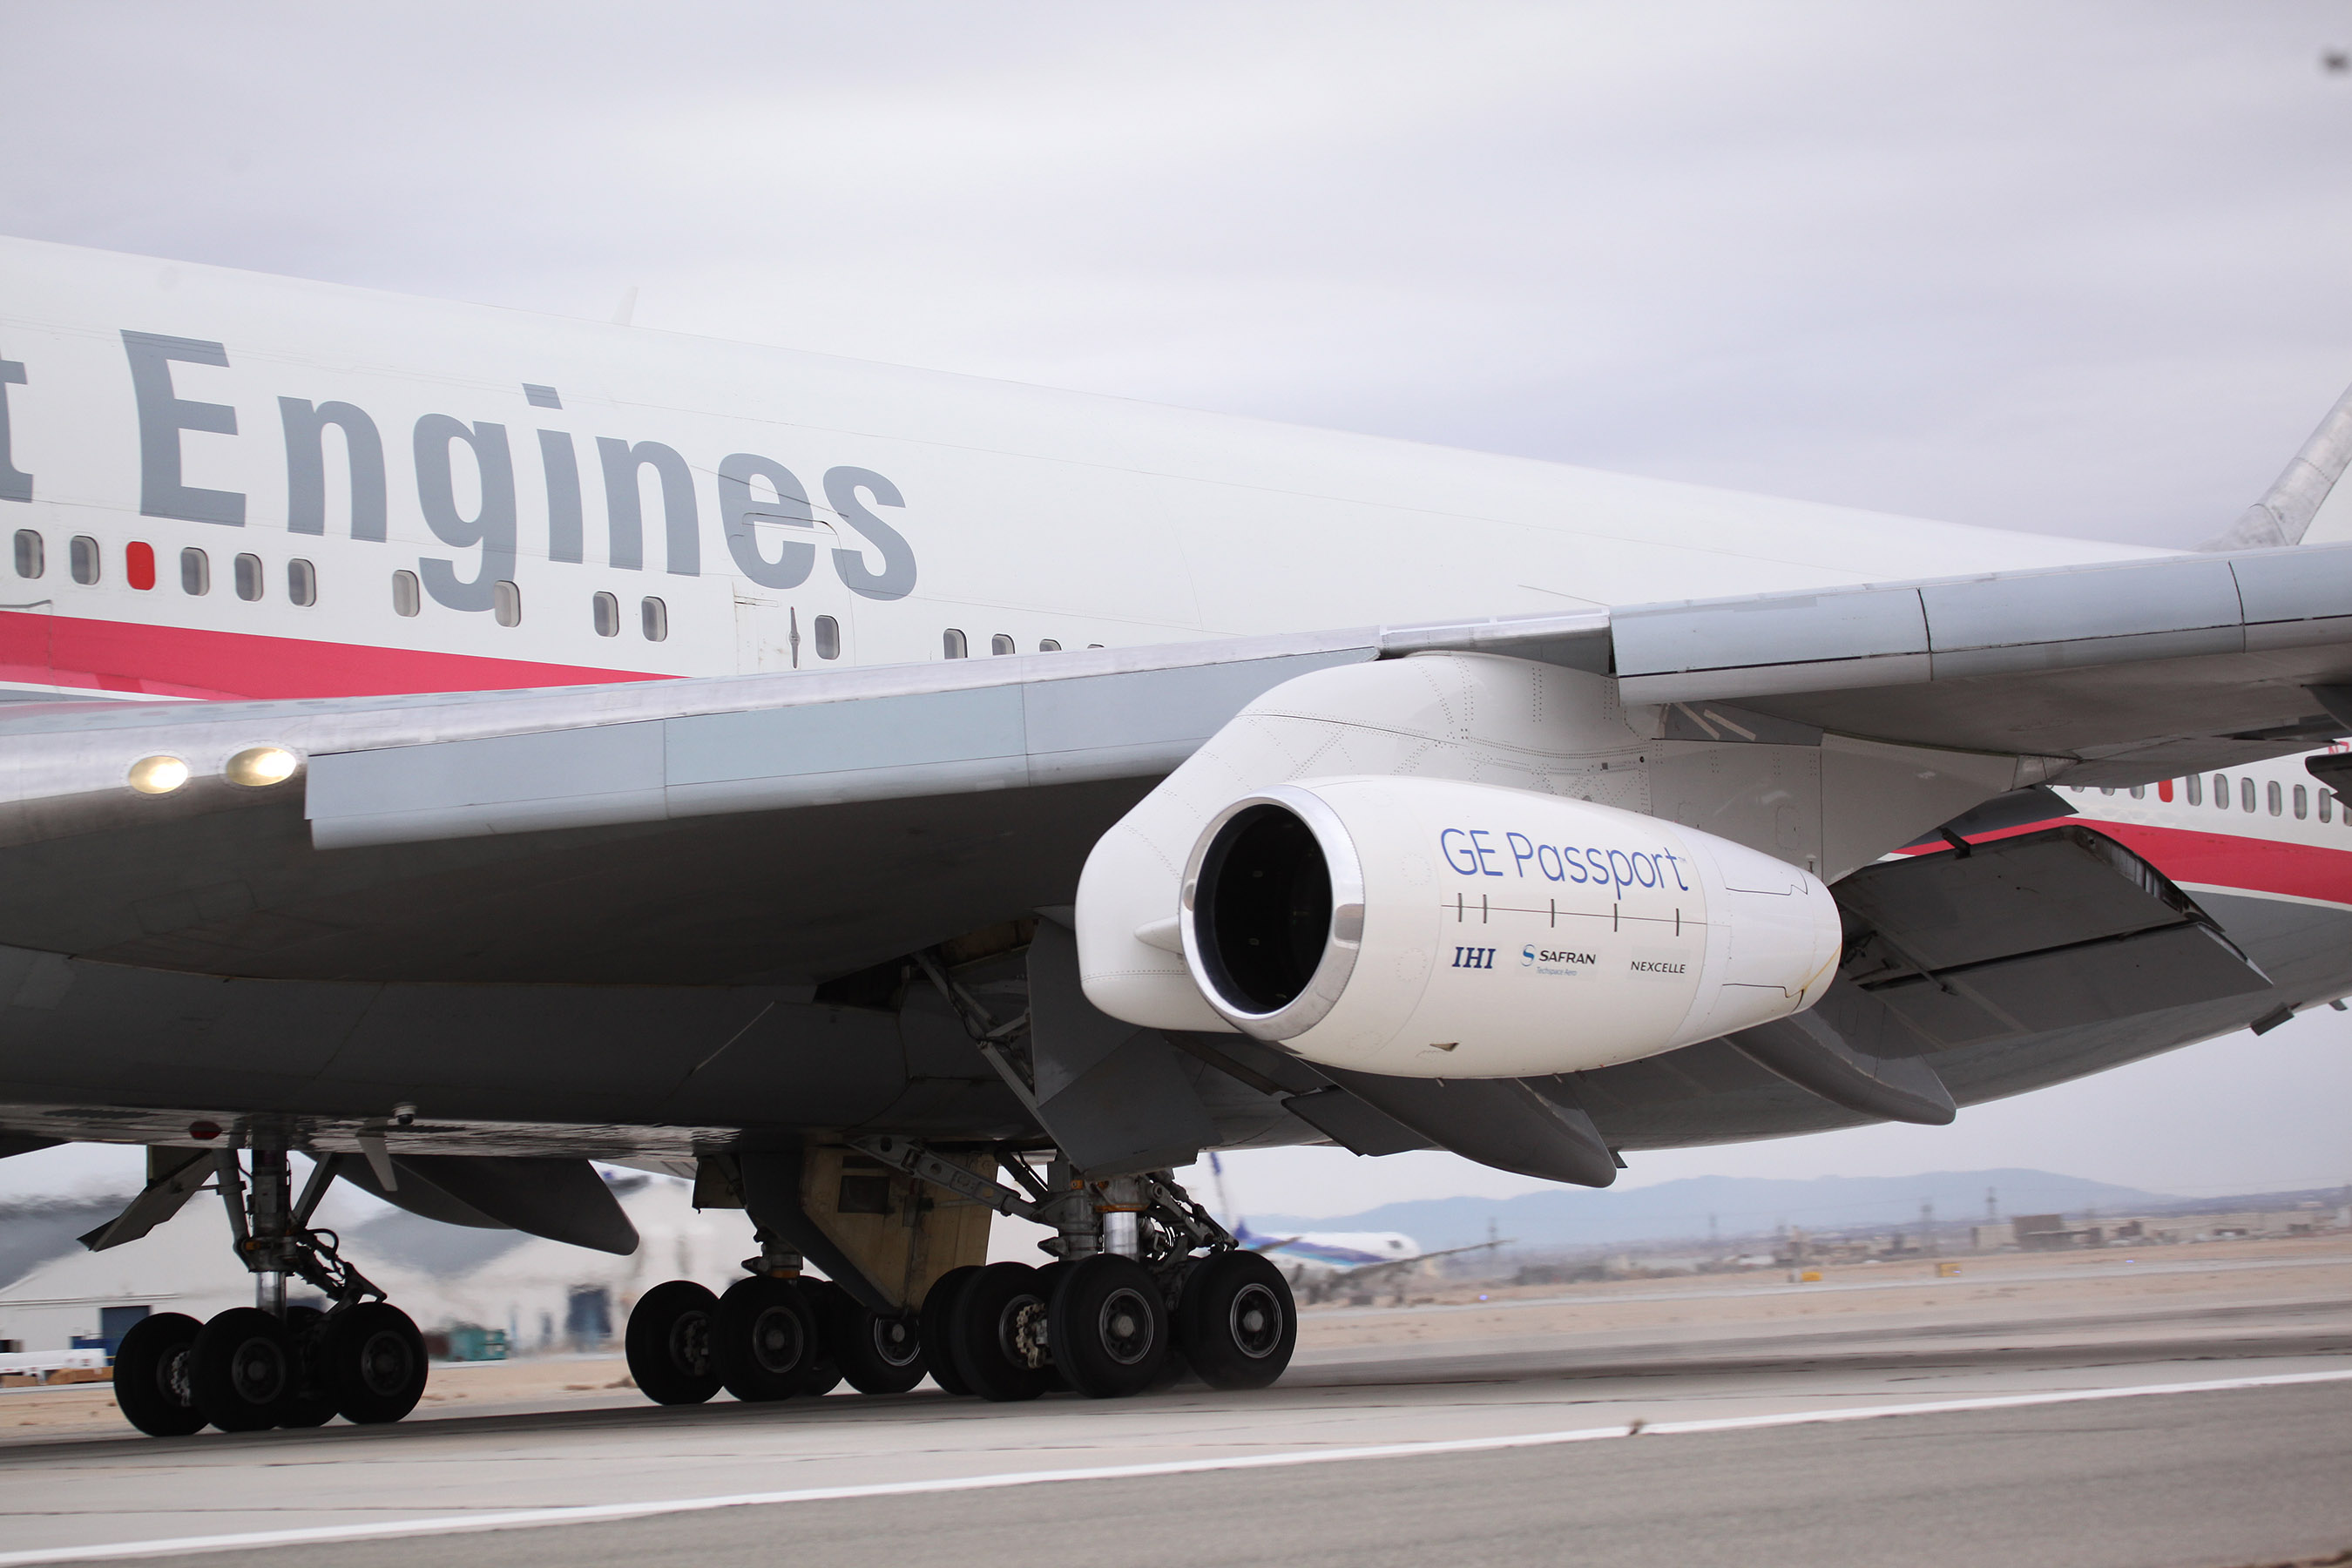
(252, 1368)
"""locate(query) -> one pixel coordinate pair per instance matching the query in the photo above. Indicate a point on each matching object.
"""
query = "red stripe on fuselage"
(180, 661)
(2240, 862)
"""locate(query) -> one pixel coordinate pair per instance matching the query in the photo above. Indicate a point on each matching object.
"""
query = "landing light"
(259, 766)
(158, 775)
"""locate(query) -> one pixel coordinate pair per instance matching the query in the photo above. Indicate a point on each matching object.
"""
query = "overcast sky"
(2081, 269)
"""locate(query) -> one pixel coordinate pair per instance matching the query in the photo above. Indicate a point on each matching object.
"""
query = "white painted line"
(596, 1513)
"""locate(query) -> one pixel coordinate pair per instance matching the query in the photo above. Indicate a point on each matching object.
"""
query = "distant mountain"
(1741, 1205)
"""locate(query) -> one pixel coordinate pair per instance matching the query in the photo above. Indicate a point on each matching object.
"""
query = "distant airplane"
(1323, 1263)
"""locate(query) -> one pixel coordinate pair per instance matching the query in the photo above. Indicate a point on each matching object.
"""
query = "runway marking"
(597, 1513)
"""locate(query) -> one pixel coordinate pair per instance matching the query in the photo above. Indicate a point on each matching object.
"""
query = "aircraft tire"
(313, 1404)
(876, 1354)
(243, 1372)
(151, 1376)
(764, 1339)
(669, 1343)
(1237, 1321)
(932, 1325)
(990, 1310)
(374, 1363)
(1109, 1328)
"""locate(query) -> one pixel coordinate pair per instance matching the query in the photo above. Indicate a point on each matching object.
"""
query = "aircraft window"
(2197, 789)
(1000, 644)
(828, 637)
(952, 643)
(139, 564)
(654, 616)
(2164, 789)
(2273, 792)
(195, 572)
(28, 553)
(2246, 795)
(2140, 791)
(303, 582)
(1049, 646)
(2326, 804)
(1094, 644)
(406, 599)
(248, 577)
(605, 611)
(2301, 802)
(2220, 792)
(81, 556)
(506, 604)
(2104, 790)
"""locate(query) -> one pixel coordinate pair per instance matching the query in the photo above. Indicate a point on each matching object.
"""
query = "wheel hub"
(689, 1343)
(1256, 1322)
(777, 1342)
(1124, 1326)
(384, 1364)
(896, 1341)
(257, 1369)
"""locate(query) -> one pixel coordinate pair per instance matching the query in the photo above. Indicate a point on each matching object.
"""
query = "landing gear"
(997, 1331)
(151, 1376)
(1107, 1326)
(273, 1364)
(876, 1354)
(827, 1301)
(1145, 1283)
(763, 1339)
(669, 1343)
(372, 1362)
(1236, 1319)
(243, 1370)
(935, 1328)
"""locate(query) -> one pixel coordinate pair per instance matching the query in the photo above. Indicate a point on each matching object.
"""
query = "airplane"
(458, 745)
(1320, 1262)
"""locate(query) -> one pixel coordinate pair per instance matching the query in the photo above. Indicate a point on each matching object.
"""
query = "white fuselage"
(182, 408)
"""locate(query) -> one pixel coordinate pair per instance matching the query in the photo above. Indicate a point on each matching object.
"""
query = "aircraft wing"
(704, 831)
(778, 834)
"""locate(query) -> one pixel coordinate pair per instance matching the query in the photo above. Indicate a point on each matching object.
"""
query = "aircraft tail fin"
(2307, 505)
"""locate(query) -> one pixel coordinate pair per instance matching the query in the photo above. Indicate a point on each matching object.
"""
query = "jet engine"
(1438, 929)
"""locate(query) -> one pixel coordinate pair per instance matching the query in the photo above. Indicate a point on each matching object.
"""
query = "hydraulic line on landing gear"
(273, 1238)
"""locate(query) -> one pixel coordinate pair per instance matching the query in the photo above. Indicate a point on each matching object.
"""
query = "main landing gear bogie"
(1145, 1286)
(248, 1370)
(1108, 1330)
(769, 1337)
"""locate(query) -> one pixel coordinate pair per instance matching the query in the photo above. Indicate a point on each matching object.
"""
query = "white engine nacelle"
(1436, 929)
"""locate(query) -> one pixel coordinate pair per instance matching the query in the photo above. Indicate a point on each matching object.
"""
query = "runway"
(2213, 1426)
